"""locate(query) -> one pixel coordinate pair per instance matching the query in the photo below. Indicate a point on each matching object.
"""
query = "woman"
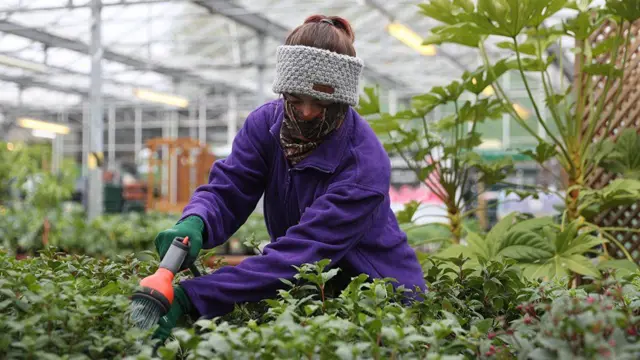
(324, 176)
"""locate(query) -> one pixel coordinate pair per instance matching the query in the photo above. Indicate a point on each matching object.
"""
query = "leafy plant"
(541, 248)
(441, 153)
(58, 306)
(68, 305)
(623, 156)
(575, 111)
(600, 321)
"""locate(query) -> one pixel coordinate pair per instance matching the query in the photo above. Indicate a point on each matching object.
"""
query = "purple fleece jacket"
(334, 204)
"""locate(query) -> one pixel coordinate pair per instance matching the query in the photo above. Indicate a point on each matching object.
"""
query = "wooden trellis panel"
(627, 115)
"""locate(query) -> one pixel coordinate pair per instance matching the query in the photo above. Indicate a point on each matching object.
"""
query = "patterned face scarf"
(299, 137)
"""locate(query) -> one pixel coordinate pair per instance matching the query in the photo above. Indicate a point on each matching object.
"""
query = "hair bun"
(336, 21)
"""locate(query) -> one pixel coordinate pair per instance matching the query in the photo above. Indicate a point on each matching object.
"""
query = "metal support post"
(138, 133)
(232, 125)
(260, 61)
(85, 140)
(193, 130)
(202, 119)
(393, 101)
(111, 139)
(173, 156)
(96, 157)
(58, 146)
(164, 155)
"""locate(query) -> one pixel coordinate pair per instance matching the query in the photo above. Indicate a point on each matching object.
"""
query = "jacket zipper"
(287, 196)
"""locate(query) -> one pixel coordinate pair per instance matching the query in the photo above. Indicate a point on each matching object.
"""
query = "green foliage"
(23, 173)
(507, 18)
(58, 306)
(623, 156)
(618, 192)
(576, 111)
(598, 321)
(105, 236)
(628, 10)
(441, 153)
(541, 248)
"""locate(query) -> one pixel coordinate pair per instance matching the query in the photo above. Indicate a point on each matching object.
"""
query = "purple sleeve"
(329, 228)
(236, 183)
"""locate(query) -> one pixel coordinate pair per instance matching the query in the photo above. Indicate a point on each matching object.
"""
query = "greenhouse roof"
(187, 47)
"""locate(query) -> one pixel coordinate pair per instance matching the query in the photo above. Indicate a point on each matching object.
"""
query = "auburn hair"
(333, 34)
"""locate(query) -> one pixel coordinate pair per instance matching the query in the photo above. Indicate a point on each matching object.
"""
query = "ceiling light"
(166, 99)
(521, 111)
(410, 38)
(491, 144)
(488, 91)
(23, 64)
(43, 134)
(43, 125)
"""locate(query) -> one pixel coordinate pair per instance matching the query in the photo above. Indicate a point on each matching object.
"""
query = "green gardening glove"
(181, 306)
(193, 227)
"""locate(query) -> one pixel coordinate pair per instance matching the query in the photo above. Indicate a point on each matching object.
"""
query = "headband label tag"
(324, 88)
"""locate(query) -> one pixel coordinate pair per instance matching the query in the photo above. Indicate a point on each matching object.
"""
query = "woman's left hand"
(181, 306)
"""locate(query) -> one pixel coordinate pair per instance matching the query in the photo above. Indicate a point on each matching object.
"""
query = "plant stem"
(533, 101)
(603, 231)
(454, 221)
(594, 117)
(500, 93)
(611, 117)
(440, 195)
(548, 89)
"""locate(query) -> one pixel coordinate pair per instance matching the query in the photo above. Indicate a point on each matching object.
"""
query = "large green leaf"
(583, 24)
(618, 192)
(581, 265)
(479, 79)
(385, 124)
(583, 243)
(499, 231)
(369, 104)
(526, 247)
(626, 9)
(544, 152)
(478, 246)
(406, 214)
(624, 155)
(465, 34)
(447, 11)
(510, 17)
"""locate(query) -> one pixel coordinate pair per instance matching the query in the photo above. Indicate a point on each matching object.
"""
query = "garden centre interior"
(512, 129)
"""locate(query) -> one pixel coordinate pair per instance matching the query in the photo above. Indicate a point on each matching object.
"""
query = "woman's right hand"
(193, 227)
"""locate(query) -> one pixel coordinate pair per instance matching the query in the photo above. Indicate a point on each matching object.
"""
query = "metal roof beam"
(78, 46)
(26, 81)
(72, 6)
(265, 26)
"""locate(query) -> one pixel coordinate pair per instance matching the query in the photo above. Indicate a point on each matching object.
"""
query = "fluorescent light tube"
(43, 125)
(43, 134)
(522, 111)
(410, 38)
(161, 98)
(23, 64)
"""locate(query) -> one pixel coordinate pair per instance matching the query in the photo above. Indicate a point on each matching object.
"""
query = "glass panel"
(518, 135)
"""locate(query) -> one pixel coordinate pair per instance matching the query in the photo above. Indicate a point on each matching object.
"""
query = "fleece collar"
(328, 155)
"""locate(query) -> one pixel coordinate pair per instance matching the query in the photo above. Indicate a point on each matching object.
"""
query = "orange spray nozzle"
(162, 282)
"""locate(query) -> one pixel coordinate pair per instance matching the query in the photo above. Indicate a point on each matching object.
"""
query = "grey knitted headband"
(320, 73)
